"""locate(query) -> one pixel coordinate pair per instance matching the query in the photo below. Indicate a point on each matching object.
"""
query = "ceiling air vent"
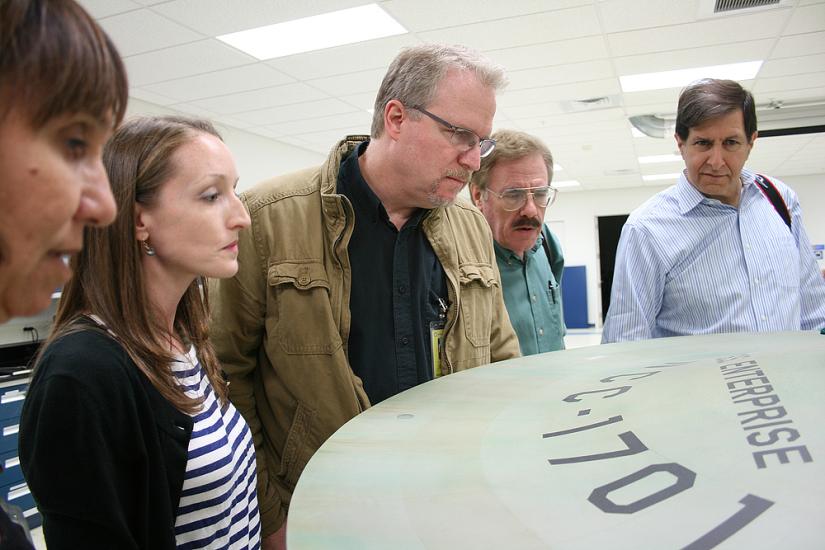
(722, 8)
(591, 104)
(731, 5)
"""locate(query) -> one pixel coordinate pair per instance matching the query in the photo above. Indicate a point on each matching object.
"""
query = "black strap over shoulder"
(767, 187)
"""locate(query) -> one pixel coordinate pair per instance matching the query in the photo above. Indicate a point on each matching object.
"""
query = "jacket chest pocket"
(305, 323)
(476, 297)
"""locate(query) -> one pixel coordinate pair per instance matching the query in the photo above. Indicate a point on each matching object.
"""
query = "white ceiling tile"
(562, 52)
(298, 142)
(627, 15)
(218, 83)
(792, 66)
(561, 74)
(806, 19)
(517, 112)
(781, 84)
(144, 31)
(354, 122)
(232, 121)
(562, 92)
(105, 8)
(151, 97)
(298, 111)
(421, 15)
(801, 44)
(363, 101)
(790, 97)
(254, 100)
(696, 35)
(521, 31)
(752, 50)
(194, 110)
(358, 82)
(374, 54)
(668, 96)
(554, 51)
(216, 17)
(556, 119)
(180, 61)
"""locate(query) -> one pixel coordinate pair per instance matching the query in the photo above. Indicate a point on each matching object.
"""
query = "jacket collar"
(329, 170)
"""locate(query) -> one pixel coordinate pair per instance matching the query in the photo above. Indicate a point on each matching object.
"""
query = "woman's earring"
(148, 248)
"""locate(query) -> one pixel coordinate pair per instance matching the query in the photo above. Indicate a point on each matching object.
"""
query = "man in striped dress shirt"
(723, 250)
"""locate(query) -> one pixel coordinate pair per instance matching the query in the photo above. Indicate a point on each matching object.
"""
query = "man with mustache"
(723, 250)
(363, 278)
(513, 191)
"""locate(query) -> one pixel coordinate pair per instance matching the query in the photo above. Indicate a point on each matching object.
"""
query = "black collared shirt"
(397, 281)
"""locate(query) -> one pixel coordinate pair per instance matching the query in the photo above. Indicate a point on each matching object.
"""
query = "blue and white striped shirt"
(219, 505)
(688, 264)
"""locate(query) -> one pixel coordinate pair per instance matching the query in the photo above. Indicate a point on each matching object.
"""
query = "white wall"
(257, 158)
(573, 218)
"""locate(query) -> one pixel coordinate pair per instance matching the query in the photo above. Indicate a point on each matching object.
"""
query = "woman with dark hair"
(127, 439)
(62, 91)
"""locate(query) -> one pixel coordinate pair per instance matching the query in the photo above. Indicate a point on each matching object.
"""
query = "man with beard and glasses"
(363, 278)
(512, 189)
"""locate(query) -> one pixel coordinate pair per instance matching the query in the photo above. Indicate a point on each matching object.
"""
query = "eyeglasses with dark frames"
(462, 138)
(514, 199)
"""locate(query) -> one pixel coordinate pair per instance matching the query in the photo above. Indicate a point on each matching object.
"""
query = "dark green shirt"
(397, 281)
(533, 296)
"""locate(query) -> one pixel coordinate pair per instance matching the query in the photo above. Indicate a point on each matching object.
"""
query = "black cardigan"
(104, 454)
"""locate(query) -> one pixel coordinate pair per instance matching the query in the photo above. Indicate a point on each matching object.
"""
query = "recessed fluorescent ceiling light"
(683, 77)
(656, 177)
(327, 30)
(652, 159)
(566, 183)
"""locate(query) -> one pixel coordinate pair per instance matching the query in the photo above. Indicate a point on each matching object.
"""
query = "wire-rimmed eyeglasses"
(462, 138)
(514, 199)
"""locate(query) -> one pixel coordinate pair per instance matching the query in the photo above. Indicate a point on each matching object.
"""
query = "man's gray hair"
(414, 75)
(511, 145)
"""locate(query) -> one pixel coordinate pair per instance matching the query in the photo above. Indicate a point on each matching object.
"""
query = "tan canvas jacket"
(281, 325)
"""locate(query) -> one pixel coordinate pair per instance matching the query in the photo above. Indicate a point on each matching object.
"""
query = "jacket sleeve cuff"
(273, 516)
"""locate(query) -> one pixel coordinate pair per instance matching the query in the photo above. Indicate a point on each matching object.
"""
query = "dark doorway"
(610, 228)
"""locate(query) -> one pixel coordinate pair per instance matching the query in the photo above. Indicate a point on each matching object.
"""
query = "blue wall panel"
(574, 296)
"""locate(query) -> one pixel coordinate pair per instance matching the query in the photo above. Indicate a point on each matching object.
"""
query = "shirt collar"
(688, 197)
(351, 183)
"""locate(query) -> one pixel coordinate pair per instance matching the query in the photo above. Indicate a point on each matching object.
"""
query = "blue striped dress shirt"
(688, 264)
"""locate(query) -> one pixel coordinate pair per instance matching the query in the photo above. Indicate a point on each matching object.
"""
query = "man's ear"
(680, 144)
(394, 115)
(475, 195)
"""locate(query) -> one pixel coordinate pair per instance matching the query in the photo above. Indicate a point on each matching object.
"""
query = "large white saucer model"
(692, 442)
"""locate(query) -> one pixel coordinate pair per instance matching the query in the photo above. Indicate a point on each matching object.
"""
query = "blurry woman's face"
(52, 184)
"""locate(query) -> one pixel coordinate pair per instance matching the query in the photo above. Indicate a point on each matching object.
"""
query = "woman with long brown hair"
(127, 439)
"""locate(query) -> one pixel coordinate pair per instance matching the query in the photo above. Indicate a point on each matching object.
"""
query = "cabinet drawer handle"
(12, 396)
(10, 430)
